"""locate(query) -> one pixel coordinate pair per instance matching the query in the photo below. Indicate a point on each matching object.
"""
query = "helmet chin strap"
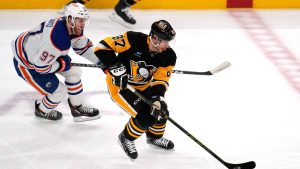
(155, 45)
(72, 26)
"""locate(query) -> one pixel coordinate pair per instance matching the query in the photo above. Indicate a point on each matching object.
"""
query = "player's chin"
(162, 50)
(78, 32)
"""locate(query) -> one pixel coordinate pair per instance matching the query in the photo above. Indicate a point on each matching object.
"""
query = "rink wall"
(155, 4)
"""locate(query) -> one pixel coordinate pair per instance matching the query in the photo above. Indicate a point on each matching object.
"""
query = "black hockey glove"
(119, 75)
(159, 105)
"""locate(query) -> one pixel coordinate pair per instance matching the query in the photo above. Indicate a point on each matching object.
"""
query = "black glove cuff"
(117, 69)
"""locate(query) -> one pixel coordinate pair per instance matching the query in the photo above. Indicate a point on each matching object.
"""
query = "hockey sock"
(156, 131)
(75, 92)
(133, 130)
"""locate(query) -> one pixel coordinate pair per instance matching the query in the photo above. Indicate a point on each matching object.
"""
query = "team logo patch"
(48, 85)
(140, 71)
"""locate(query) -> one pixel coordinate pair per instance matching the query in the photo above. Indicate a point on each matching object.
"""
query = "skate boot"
(52, 115)
(128, 146)
(121, 14)
(160, 143)
(83, 113)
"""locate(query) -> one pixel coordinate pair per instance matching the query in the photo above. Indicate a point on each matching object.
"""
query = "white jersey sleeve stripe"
(20, 52)
(84, 49)
(44, 69)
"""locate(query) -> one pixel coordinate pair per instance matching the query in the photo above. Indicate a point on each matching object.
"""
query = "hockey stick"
(247, 165)
(215, 70)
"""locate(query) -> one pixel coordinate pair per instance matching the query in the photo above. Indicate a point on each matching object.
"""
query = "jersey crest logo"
(140, 71)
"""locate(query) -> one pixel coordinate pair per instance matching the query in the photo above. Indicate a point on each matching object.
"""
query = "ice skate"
(122, 16)
(128, 146)
(161, 143)
(83, 113)
(52, 115)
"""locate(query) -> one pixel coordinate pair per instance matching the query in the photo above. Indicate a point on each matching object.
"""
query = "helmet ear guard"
(163, 30)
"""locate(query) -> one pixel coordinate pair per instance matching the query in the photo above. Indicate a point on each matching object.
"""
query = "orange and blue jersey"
(36, 51)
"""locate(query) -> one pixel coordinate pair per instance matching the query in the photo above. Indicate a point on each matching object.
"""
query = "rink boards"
(157, 4)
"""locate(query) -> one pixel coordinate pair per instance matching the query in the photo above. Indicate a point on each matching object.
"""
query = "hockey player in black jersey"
(145, 62)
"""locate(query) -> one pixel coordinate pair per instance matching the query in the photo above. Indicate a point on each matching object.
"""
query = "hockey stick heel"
(213, 71)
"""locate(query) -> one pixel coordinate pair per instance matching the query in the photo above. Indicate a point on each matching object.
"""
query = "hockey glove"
(159, 105)
(119, 75)
(64, 63)
(102, 67)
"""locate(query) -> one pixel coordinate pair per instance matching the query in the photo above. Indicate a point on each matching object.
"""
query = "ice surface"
(247, 112)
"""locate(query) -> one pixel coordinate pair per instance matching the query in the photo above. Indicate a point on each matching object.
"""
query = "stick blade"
(221, 67)
(247, 165)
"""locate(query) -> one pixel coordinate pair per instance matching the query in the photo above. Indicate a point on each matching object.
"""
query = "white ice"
(247, 112)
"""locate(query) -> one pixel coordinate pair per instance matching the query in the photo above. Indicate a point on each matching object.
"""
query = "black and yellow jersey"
(144, 68)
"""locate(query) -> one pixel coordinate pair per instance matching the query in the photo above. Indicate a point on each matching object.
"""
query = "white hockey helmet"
(77, 10)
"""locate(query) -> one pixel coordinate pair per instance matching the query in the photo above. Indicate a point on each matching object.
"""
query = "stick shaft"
(247, 165)
(217, 69)
(147, 101)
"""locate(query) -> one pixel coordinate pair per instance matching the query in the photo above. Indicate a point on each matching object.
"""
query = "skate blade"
(116, 18)
(159, 148)
(84, 118)
(37, 117)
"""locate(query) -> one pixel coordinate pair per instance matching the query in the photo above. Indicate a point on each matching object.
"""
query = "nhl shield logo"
(48, 85)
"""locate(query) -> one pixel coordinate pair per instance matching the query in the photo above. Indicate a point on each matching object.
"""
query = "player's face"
(163, 45)
(79, 26)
